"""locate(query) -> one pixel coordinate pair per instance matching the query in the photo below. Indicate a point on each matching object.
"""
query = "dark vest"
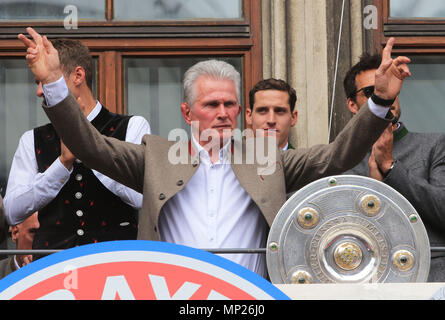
(84, 211)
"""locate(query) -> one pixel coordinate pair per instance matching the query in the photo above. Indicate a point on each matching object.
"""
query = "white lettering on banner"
(117, 287)
(159, 285)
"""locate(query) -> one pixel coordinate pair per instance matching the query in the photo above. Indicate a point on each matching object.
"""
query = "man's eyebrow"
(211, 102)
(280, 108)
(217, 101)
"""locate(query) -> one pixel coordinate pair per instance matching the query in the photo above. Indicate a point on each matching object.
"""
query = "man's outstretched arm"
(119, 160)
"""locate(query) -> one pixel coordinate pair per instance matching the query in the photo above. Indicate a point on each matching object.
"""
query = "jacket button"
(161, 196)
(180, 183)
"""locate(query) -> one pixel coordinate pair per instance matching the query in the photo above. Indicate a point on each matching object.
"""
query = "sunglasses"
(367, 91)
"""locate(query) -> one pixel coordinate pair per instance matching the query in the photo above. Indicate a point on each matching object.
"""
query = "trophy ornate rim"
(347, 229)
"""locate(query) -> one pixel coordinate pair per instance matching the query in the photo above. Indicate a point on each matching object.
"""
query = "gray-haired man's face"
(215, 107)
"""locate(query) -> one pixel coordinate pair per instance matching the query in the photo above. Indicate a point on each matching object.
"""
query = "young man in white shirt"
(272, 110)
(76, 205)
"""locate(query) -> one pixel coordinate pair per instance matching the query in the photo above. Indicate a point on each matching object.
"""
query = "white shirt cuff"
(378, 110)
(55, 92)
(59, 174)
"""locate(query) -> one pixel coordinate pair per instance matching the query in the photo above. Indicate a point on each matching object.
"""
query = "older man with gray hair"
(211, 201)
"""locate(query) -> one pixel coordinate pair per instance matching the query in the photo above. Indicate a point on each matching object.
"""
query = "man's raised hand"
(42, 57)
(391, 73)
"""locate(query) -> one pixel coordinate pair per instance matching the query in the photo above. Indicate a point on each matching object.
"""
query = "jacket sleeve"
(121, 161)
(302, 166)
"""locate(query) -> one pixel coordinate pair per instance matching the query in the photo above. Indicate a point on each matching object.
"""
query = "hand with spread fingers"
(42, 57)
(390, 75)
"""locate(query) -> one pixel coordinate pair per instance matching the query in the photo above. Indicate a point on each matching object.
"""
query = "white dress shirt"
(213, 210)
(29, 190)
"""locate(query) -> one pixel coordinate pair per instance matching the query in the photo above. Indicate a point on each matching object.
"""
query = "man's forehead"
(215, 89)
(271, 97)
(366, 76)
(272, 93)
(206, 80)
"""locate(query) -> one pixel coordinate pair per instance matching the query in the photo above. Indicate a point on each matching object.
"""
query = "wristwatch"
(382, 102)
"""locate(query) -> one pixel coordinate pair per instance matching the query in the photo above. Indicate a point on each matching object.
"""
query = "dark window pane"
(55, 10)
(423, 95)
(417, 9)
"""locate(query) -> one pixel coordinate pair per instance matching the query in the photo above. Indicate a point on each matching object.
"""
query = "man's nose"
(271, 118)
(222, 111)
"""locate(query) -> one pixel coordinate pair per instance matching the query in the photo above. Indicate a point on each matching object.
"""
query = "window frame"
(139, 29)
(415, 35)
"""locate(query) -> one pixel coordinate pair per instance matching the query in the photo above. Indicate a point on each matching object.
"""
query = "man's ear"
(186, 113)
(14, 233)
(78, 75)
(249, 117)
(294, 118)
(352, 105)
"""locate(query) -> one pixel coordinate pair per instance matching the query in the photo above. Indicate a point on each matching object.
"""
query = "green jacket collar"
(400, 132)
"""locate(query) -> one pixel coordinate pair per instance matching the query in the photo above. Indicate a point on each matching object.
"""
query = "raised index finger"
(386, 54)
(35, 35)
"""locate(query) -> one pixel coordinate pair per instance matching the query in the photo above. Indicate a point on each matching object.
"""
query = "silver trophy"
(347, 229)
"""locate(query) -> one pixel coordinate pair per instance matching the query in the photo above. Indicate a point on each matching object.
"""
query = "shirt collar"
(93, 114)
(400, 132)
(224, 152)
(286, 146)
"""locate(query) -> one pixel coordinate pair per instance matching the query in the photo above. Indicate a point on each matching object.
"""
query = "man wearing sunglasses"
(411, 163)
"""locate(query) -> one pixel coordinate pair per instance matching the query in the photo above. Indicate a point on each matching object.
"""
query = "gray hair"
(216, 69)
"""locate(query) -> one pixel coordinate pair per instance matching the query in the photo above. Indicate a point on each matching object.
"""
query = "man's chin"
(270, 133)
